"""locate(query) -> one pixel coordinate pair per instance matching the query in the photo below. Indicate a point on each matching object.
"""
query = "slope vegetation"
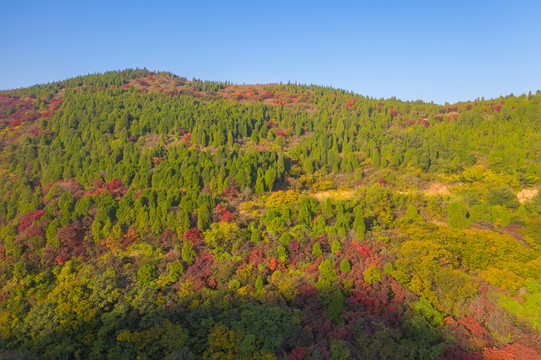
(145, 215)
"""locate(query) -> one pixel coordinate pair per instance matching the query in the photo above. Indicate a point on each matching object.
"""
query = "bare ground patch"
(525, 195)
(334, 194)
(437, 188)
(440, 223)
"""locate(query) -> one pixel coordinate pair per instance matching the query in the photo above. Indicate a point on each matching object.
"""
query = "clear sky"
(439, 50)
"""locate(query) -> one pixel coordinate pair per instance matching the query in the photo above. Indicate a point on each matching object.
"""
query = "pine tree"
(260, 186)
(412, 215)
(230, 139)
(305, 213)
(255, 237)
(345, 267)
(328, 211)
(335, 307)
(259, 283)
(188, 253)
(280, 166)
(316, 250)
(376, 162)
(308, 165)
(269, 178)
(358, 223)
(336, 247)
(175, 271)
(458, 212)
(203, 217)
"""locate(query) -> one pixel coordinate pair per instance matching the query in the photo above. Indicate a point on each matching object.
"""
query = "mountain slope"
(147, 215)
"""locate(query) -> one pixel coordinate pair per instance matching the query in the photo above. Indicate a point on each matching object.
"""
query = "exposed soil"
(334, 194)
(437, 188)
(525, 195)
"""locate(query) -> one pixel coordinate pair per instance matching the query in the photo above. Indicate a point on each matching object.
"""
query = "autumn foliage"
(145, 215)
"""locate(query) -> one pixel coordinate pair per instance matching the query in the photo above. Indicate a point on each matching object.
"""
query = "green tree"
(175, 271)
(458, 215)
(336, 246)
(412, 215)
(345, 267)
(334, 310)
(188, 254)
(203, 217)
(358, 223)
(502, 196)
(259, 283)
(316, 250)
(146, 275)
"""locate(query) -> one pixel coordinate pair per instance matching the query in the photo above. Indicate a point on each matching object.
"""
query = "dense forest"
(147, 216)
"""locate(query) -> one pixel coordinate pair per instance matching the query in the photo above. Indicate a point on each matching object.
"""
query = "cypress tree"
(203, 217)
(316, 250)
(345, 267)
(358, 224)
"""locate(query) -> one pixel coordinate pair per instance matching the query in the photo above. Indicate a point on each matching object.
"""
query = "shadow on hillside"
(314, 324)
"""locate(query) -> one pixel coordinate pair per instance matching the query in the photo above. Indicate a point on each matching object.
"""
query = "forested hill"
(144, 215)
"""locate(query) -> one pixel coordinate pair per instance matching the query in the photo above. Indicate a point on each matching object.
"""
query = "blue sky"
(441, 51)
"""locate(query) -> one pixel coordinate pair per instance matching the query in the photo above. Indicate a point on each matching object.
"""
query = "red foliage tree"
(308, 297)
(34, 131)
(187, 138)
(469, 334)
(297, 354)
(193, 234)
(200, 272)
(35, 230)
(156, 160)
(266, 94)
(230, 192)
(72, 241)
(48, 255)
(271, 124)
(29, 218)
(273, 264)
(424, 122)
(512, 351)
(226, 216)
(113, 185)
(66, 185)
(455, 353)
(399, 292)
(370, 303)
(293, 247)
(257, 257)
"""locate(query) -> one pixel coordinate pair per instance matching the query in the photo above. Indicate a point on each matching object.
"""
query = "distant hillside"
(145, 215)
